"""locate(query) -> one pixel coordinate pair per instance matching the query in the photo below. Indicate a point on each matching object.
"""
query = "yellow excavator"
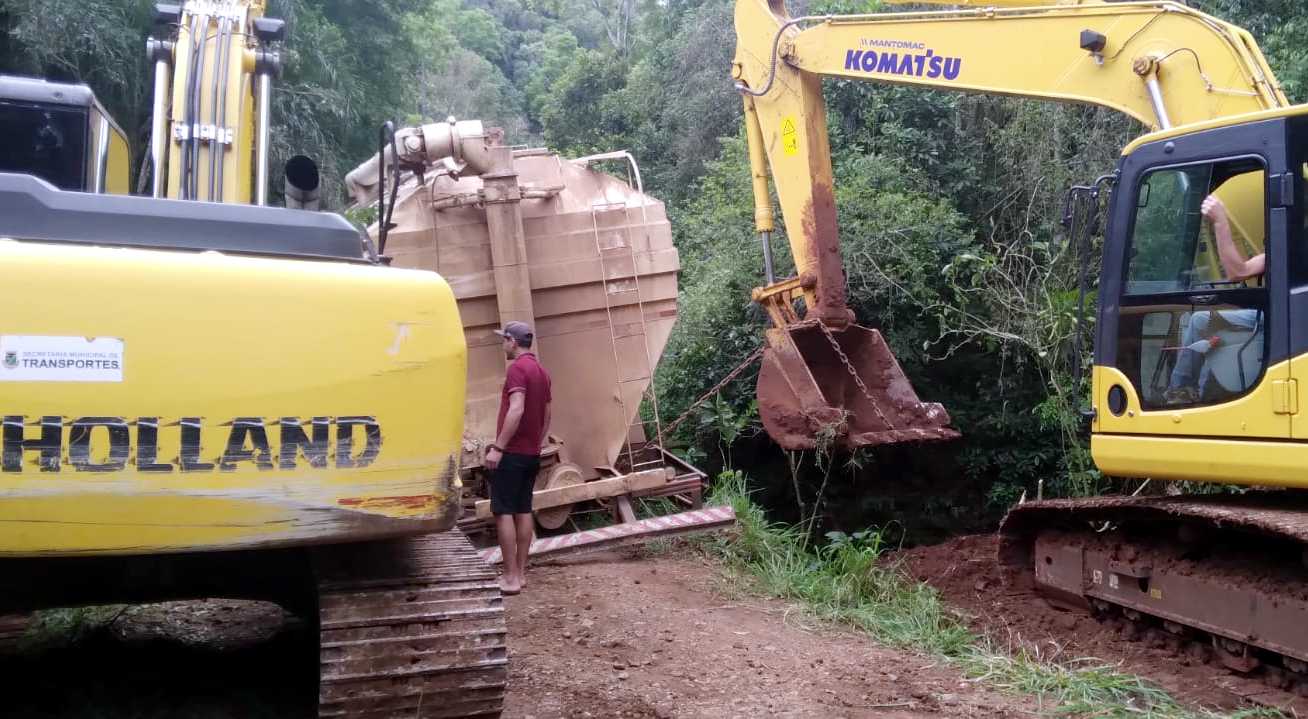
(1196, 373)
(203, 396)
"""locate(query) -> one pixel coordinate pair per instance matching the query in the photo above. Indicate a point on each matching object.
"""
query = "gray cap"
(520, 332)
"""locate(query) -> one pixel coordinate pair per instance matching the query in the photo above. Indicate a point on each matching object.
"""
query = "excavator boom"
(1162, 63)
(1197, 367)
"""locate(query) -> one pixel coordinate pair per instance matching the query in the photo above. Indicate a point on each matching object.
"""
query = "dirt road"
(604, 636)
(612, 636)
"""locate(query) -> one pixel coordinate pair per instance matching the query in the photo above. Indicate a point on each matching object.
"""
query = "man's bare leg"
(505, 533)
(524, 530)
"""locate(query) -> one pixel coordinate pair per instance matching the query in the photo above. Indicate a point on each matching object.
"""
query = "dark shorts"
(512, 482)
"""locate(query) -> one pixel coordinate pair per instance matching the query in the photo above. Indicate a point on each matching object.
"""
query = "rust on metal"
(819, 221)
(626, 533)
(1267, 513)
(1221, 570)
(818, 384)
(411, 627)
(826, 381)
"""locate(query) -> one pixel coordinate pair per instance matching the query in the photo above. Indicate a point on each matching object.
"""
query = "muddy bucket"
(809, 393)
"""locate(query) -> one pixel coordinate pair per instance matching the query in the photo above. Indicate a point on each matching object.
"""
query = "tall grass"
(847, 582)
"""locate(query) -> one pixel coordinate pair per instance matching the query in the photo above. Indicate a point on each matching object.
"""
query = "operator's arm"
(545, 435)
(1237, 268)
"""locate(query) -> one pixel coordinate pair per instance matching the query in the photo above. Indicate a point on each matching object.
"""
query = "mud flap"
(809, 393)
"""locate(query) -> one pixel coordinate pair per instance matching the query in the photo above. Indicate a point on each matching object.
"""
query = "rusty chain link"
(835, 345)
(732, 375)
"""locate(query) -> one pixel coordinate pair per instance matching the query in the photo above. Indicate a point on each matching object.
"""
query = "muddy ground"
(964, 571)
(608, 635)
(613, 636)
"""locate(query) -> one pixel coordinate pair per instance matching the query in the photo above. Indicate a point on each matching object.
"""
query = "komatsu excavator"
(1223, 572)
(203, 396)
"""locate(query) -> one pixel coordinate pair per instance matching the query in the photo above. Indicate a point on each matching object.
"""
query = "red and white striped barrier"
(698, 520)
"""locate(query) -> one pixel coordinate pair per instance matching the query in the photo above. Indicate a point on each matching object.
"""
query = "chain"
(732, 375)
(835, 345)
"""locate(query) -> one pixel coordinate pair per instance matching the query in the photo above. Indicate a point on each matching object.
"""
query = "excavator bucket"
(820, 386)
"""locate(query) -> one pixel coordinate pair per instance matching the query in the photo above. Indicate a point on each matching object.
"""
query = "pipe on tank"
(502, 198)
(465, 142)
(469, 145)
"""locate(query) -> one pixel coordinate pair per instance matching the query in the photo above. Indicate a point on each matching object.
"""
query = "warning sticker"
(35, 358)
(789, 136)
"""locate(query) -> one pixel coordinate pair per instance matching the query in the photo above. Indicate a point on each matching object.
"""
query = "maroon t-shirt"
(527, 376)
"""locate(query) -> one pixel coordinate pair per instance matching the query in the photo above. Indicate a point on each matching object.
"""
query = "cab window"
(1190, 333)
(48, 141)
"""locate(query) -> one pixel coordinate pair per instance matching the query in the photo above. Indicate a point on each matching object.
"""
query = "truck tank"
(583, 256)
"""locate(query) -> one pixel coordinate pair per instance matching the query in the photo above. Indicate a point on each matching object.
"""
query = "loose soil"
(614, 635)
(964, 570)
(607, 635)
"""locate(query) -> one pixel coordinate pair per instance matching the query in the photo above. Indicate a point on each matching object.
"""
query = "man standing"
(514, 458)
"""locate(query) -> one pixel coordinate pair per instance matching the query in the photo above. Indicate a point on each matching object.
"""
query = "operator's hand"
(1213, 210)
(493, 457)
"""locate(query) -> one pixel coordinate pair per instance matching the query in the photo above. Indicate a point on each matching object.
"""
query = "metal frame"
(633, 171)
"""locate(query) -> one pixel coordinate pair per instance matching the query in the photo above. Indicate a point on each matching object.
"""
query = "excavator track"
(1221, 577)
(411, 627)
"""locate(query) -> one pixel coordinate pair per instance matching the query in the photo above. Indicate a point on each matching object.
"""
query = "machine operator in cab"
(1187, 385)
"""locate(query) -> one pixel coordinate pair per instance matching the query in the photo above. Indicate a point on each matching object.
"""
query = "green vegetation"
(849, 582)
(948, 204)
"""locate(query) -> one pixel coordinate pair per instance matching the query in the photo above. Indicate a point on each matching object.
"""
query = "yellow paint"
(1272, 113)
(1252, 415)
(989, 41)
(1227, 461)
(118, 168)
(1010, 47)
(1013, 47)
(1244, 441)
(789, 136)
(118, 160)
(221, 337)
(1298, 388)
(1286, 397)
(237, 99)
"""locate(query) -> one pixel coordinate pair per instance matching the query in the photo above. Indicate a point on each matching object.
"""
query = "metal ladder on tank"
(622, 253)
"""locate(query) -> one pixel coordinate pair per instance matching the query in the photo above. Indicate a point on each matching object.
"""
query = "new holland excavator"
(203, 396)
(1221, 574)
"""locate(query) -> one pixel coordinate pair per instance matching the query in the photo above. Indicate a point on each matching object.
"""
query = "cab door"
(1185, 353)
(1294, 186)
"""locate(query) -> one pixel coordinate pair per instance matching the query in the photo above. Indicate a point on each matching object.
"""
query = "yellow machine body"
(61, 133)
(236, 357)
(1183, 74)
(202, 396)
(211, 96)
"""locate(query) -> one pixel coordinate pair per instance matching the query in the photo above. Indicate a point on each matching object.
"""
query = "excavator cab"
(60, 133)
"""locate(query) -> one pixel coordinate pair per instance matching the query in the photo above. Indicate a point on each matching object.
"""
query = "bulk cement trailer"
(587, 260)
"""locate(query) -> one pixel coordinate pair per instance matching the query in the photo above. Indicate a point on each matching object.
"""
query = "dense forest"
(948, 203)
